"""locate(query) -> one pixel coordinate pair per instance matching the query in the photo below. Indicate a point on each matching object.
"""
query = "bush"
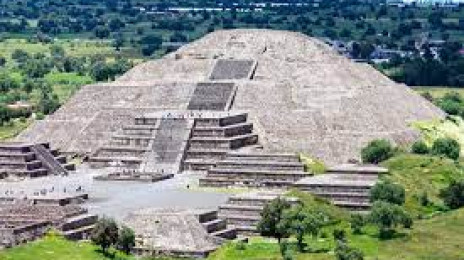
(357, 222)
(453, 195)
(419, 147)
(377, 151)
(345, 252)
(447, 147)
(389, 192)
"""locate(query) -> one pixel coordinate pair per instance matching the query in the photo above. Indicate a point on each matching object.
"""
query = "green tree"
(387, 217)
(105, 234)
(419, 147)
(302, 222)
(273, 223)
(387, 191)
(377, 151)
(126, 239)
(446, 147)
(453, 195)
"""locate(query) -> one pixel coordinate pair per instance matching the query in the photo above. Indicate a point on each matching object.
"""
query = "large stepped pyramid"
(25, 160)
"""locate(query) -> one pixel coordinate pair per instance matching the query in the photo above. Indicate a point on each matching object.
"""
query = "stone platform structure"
(300, 95)
(347, 186)
(243, 211)
(21, 222)
(25, 160)
(178, 232)
(255, 169)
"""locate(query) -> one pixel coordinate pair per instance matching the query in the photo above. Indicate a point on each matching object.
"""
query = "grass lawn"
(423, 175)
(56, 248)
(438, 92)
(437, 238)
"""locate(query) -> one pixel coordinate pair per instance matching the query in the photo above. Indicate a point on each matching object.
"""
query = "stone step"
(246, 230)
(23, 156)
(262, 165)
(227, 233)
(223, 142)
(248, 181)
(244, 210)
(139, 127)
(256, 172)
(223, 131)
(79, 233)
(198, 164)
(326, 188)
(206, 154)
(214, 225)
(29, 173)
(222, 120)
(30, 165)
(252, 156)
(105, 160)
(207, 216)
(239, 220)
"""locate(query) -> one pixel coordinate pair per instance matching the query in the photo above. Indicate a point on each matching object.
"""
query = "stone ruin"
(178, 232)
(22, 221)
(26, 215)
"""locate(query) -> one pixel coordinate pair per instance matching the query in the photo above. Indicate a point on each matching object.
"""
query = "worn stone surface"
(303, 97)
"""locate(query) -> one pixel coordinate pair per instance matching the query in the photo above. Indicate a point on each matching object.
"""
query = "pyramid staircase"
(214, 135)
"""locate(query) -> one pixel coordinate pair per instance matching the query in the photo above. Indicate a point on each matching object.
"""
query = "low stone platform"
(178, 232)
(134, 176)
(21, 222)
(243, 211)
(255, 169)
(345, 185)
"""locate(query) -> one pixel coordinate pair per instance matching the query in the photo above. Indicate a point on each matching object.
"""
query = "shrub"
(339, 235)
(377, 151)
(345, 252)
(419, 147)
(453, 195)
(357, 222)
(387, 191)
(446, 147)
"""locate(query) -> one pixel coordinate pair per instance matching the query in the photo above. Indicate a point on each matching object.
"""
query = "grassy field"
(75, 48)
(437, 238)
(438, 92)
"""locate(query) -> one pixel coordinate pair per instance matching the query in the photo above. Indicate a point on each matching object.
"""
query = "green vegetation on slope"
(452, 127)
